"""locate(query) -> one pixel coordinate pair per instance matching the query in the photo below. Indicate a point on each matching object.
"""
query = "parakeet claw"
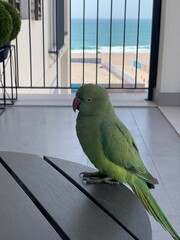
(111, 181)
(91, 174)
(97, 177)
(105, 180)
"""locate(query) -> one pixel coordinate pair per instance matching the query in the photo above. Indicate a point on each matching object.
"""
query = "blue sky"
(118, 8)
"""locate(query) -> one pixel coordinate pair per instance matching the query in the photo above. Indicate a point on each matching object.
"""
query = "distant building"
(43, 43)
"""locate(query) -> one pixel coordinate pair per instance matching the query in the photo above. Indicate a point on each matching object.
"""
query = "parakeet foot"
(91, 174)
(97, 180)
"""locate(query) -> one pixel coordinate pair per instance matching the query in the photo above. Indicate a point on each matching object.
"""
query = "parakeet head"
(91, 100)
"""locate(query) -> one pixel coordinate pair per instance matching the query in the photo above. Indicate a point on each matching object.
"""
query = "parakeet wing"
(120, 148)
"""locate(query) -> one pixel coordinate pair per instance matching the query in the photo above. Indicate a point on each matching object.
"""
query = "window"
(56, 25)
(37, 10)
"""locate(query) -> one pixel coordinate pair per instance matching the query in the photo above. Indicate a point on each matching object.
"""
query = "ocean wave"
(114, 49)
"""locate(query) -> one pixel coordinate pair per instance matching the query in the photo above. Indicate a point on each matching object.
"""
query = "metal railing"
(46, 71)
(8, 77)
(119, 74)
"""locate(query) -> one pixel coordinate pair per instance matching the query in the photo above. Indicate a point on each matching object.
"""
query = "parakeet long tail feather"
(153, 208)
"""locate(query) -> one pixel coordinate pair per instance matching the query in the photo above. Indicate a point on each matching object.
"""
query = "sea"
(101, 41)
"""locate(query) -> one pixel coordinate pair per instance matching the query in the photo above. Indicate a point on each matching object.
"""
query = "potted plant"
(5, 25)
(10, 24)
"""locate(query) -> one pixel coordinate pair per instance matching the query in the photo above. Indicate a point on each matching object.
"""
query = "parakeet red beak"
(76, 103)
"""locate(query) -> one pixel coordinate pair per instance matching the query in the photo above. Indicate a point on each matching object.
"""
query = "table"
(44, 198)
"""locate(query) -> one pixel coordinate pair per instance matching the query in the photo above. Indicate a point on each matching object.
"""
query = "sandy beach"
(102, 68)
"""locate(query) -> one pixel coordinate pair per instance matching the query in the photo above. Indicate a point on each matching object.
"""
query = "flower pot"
(4, 52)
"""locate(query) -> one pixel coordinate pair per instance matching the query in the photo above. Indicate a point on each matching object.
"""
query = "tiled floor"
(172, 113)
(51, 131)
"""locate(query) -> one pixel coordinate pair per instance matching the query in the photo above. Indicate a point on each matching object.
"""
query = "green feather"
(120, 148)
(151, 205)
(111, 148)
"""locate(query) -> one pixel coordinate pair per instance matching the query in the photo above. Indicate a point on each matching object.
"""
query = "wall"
(167, 90)
(37, 54)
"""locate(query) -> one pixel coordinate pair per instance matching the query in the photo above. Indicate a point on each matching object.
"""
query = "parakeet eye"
(89, 99)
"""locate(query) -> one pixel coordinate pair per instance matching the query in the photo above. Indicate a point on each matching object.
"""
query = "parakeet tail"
(153, 208)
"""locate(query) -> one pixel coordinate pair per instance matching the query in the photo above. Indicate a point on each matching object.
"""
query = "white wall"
(168, 79)
(37, 54)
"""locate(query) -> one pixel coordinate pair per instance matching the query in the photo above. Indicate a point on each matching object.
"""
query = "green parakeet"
(111, 148)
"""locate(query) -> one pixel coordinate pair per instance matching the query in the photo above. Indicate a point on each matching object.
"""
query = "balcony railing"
(106, 42)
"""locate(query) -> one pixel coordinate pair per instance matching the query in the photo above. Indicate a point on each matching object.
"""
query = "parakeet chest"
(88, 129)
(88, 132)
